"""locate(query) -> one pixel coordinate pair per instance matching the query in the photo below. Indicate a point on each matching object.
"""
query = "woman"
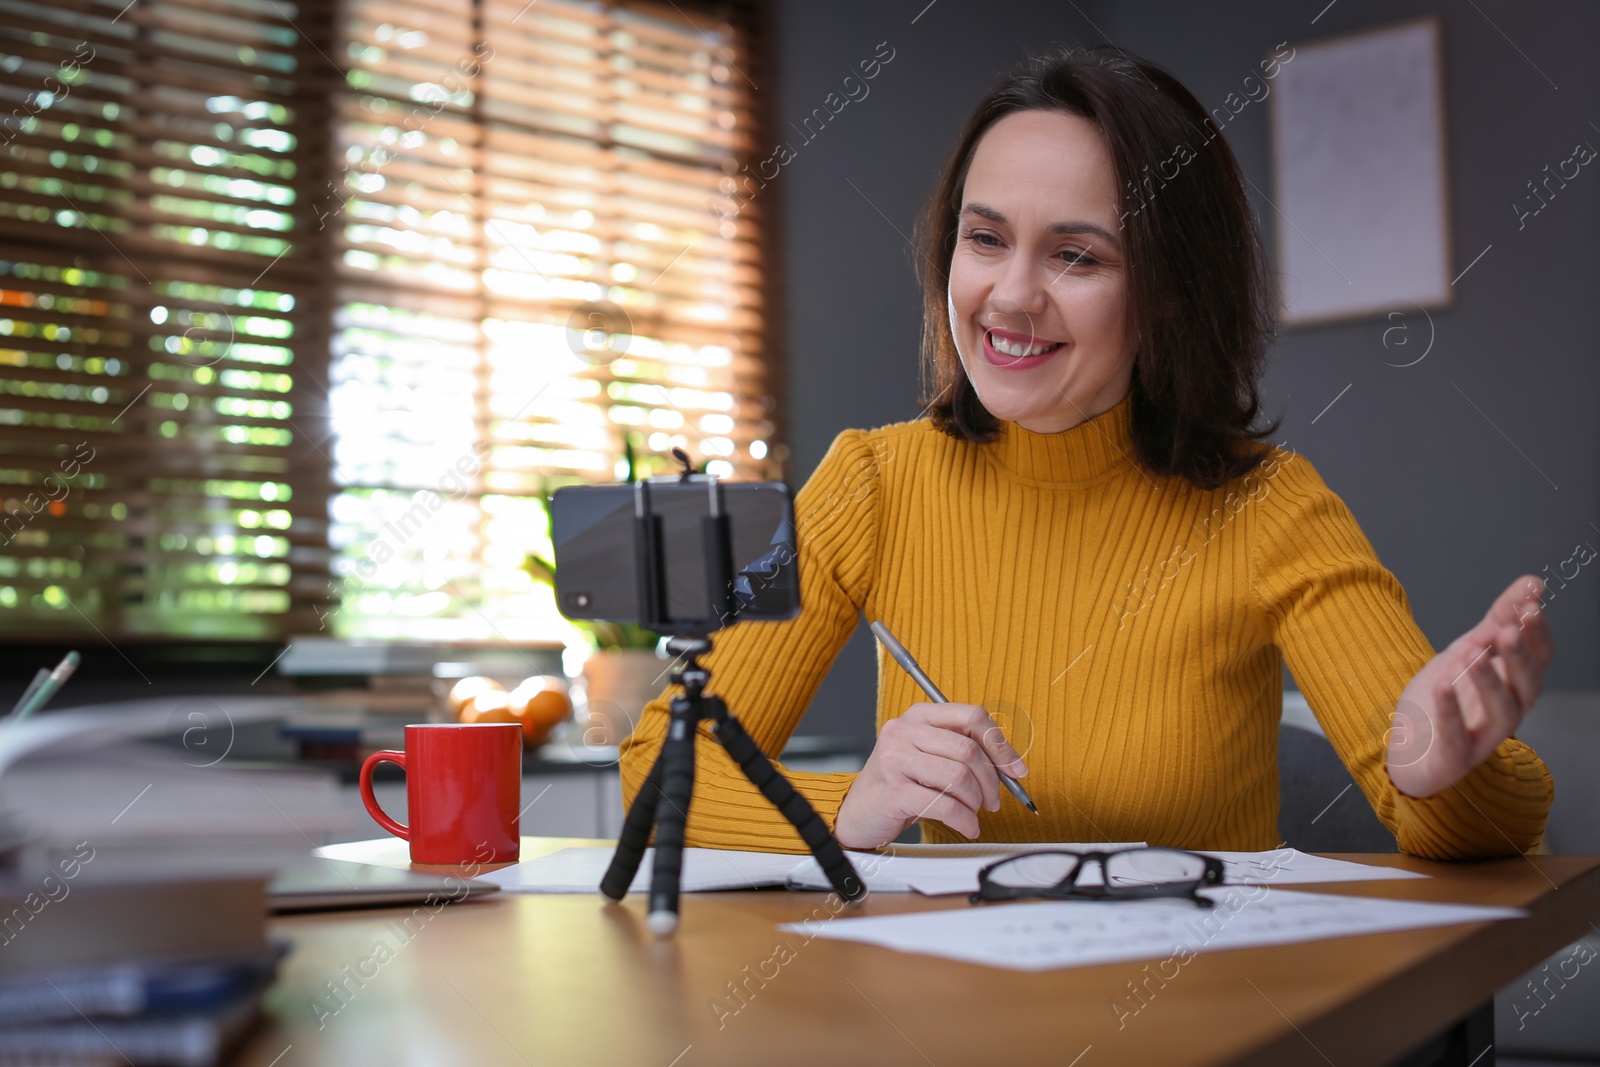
(1088, 547)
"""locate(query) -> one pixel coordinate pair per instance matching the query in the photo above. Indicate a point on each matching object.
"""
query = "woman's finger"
(973, 721)
(1451, 743)
(1508, 606)
(963, 749)
(1450, 729)
(1501, 713)
(942, 807)
(1459, 661)
(943, 776)
(1522, 605)
(1521, 675)
(1535, 625)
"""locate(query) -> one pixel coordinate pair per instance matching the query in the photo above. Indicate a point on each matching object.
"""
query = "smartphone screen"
(594, 530)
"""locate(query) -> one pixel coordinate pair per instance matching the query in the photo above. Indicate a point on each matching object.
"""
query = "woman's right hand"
(937, 761)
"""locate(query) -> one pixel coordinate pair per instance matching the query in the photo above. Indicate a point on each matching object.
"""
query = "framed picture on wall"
(1358, 156)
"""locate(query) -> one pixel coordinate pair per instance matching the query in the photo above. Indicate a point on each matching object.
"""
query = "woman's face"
(1038, 293)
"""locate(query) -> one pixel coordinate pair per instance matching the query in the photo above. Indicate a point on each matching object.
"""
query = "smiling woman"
(1093, 393)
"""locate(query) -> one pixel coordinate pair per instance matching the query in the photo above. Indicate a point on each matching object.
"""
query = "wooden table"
(523, 979)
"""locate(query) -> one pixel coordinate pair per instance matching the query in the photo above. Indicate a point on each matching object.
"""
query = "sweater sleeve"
(1346, 631)
(767, 672)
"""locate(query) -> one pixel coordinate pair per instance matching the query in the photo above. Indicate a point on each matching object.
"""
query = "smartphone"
(595, 528)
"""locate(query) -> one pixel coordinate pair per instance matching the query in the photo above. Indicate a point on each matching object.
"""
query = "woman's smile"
(1018, 351)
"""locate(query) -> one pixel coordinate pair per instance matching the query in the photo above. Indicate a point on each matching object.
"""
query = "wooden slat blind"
(519, 173)
(156, 310)
(330, 307)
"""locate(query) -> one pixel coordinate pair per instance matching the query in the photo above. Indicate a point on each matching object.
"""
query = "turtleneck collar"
(1081, 454)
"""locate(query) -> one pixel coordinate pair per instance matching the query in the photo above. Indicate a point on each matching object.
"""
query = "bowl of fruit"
(538, 704)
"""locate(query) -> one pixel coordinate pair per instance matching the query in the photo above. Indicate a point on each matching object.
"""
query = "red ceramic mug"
(463, 792)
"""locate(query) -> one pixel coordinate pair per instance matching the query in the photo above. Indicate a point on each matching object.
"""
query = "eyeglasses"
(1124, 874)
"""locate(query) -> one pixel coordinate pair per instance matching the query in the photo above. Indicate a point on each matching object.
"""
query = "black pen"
(902, 657)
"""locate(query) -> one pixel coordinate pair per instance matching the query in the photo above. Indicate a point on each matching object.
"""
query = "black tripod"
(671, 779)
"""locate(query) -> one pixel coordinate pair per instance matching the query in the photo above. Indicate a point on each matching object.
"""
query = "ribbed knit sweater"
(1127, 631)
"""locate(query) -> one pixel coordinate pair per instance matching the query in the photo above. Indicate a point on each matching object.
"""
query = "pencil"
(902, 657)
(49, 687)
(39, 677)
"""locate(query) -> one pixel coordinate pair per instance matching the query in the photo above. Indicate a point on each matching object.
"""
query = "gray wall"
(1451, 504)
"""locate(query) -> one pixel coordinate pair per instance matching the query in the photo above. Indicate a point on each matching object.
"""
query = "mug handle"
(367, 767)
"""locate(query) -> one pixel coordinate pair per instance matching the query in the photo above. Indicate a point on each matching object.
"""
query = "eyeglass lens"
(1153, 867)
(1044, 870)
(1131, 869)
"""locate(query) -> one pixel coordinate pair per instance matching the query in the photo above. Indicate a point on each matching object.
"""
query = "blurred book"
(407, 698)
(133, 879)
(146, 809)
(128, 988)
(180, 1039)
(342, 735)
(61, 915)
(145, 972)
(312, 657)
(203, 720)
(403, 680)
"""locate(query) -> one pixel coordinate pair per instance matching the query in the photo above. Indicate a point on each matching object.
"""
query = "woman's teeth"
(1019, 351)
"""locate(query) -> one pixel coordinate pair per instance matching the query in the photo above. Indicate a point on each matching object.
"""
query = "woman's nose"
(1020, 288)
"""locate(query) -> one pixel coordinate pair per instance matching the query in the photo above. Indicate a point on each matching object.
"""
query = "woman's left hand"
(1473, 695)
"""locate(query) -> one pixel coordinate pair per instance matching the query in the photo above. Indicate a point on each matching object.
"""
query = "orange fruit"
(490, 706)
(463, 691)
(540, 704)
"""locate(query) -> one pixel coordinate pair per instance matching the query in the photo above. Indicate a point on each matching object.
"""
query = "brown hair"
(1199, 296)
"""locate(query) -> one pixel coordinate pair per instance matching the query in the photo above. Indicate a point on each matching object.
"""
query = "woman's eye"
(1076, 258)
(987, 240)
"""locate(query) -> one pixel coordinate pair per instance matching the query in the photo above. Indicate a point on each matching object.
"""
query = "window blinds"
(156, 473)
(303, 320)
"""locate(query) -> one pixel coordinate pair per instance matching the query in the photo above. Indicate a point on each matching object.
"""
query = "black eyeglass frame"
(1068, 889)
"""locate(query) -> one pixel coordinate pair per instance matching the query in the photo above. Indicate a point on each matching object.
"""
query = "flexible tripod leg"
(635, 837)
(796, 808)
(667, 792)
(677, 788)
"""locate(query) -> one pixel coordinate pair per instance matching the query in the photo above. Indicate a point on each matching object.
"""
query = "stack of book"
(133, 879)
(350, 687)
(147, 809)
(146, 972)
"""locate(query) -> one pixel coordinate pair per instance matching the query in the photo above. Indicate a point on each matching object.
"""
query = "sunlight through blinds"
(155, 312)
(533, 268)
(301, 320)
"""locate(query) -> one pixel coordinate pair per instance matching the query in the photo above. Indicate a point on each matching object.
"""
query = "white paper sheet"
(1045, 935)
(579, 870)
(940, 875)
(905, 872)
(1286, 866)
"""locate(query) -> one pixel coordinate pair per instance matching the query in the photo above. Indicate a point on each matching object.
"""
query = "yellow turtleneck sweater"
(1126, 631)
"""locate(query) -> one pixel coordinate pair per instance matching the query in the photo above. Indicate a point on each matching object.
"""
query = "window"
(299, 322)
